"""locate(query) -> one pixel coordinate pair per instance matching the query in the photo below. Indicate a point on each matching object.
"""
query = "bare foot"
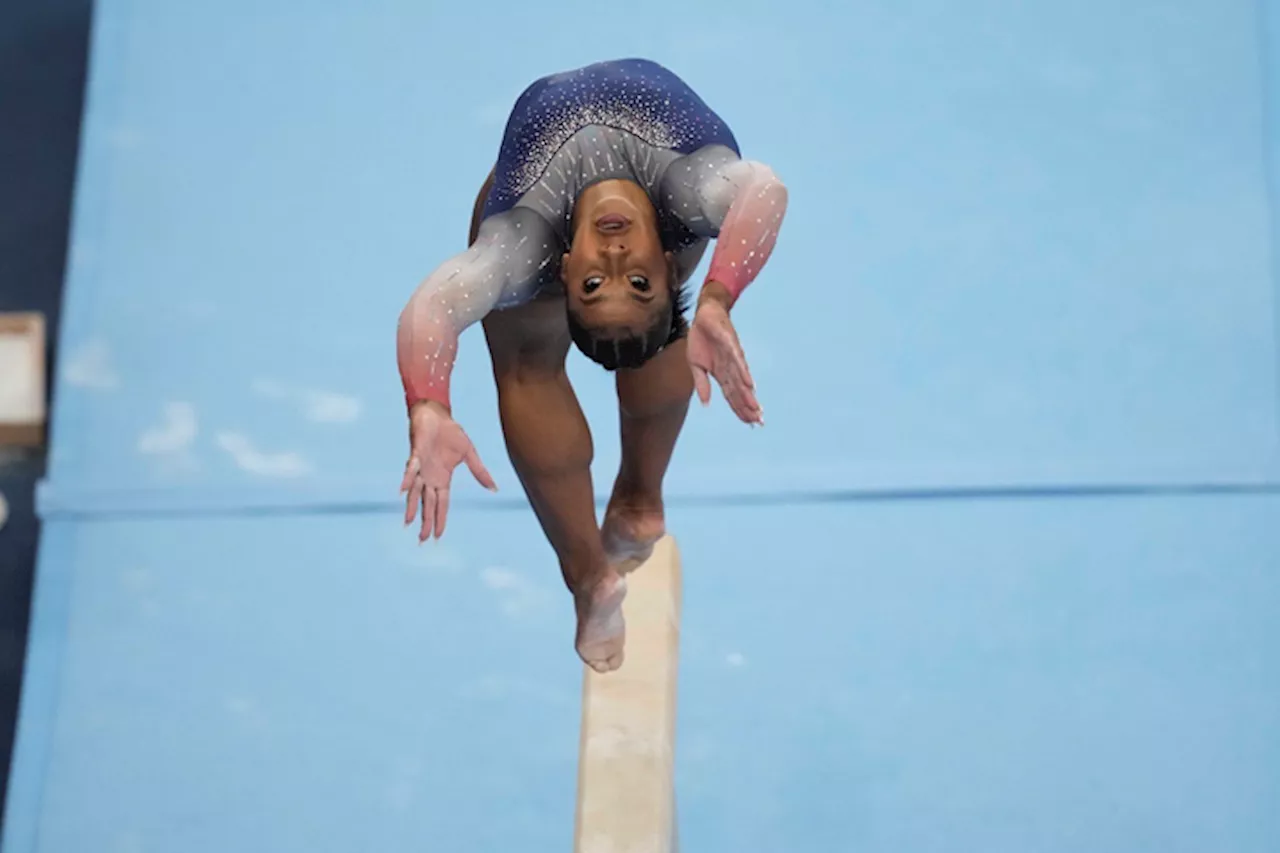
(601, 629)
(629, 532)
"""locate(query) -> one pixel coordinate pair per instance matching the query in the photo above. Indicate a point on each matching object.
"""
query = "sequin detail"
(741, 203)
(637, 96)
(510, 261)
(755, 201)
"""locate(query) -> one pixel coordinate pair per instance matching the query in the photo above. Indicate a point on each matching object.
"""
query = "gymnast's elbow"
(761, 178)
(426, 310)
(772, 183)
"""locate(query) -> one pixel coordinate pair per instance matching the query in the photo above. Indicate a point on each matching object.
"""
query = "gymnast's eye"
(640, 283)
(592, 284)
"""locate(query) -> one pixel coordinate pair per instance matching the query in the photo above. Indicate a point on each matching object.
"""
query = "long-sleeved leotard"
(512, 258)
(740, 203)
(631, 120)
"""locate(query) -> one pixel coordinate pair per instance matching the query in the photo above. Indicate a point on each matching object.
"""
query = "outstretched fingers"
(442, 510)
(739, 362)
(742, 399)
(409, 488)
(478, 470)
(735, 381)
(433, 500)
(410, 474)
(420, 495)
(745, 405)
(434, 504)
(738, 386)
(430, 506)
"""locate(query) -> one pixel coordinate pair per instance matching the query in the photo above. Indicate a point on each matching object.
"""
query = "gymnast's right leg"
(551, 449)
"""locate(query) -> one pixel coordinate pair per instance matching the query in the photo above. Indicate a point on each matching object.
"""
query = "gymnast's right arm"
(458, 294)
(504, 266)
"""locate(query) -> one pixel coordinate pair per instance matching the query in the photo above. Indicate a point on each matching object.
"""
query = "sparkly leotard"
(630, 119)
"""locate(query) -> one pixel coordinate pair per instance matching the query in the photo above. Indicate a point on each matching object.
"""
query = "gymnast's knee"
(672, 405)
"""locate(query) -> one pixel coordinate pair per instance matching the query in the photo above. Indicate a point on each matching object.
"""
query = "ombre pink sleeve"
(756, 204)
(512, 257)
(740, 203)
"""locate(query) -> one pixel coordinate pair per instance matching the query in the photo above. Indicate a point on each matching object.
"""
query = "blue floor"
(1056, 675)
(1000, 574)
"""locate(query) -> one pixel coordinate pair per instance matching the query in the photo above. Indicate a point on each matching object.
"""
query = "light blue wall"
(1025, 247)
(1030, 249)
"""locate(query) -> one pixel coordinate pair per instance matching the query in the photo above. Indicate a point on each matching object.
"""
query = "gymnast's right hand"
(436, 446)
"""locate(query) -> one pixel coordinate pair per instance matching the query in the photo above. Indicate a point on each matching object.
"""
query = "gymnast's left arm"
(755, 201)
(742, 203)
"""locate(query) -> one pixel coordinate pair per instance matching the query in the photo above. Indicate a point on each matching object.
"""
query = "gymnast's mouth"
(612, 223)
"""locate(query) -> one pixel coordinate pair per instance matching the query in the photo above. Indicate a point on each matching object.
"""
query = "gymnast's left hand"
(715, 351)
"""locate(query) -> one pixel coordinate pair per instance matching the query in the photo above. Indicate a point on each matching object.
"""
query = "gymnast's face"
(616, 274)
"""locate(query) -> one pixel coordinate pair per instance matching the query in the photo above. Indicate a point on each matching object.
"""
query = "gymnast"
(609, 182)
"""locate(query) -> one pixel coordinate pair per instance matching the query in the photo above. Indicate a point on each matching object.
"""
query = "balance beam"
(626, 754)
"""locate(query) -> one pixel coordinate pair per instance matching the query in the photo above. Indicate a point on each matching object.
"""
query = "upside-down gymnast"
(609, 183)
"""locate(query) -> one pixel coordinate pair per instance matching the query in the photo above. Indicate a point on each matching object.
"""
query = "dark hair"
(630, 351)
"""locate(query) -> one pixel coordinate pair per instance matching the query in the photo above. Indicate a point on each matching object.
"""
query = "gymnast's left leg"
(550, 446)
(653, 401)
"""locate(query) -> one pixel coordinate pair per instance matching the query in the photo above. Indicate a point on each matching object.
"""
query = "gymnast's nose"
(614, 254)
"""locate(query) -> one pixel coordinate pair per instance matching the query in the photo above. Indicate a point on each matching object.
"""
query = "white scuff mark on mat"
(254, 461)
(175, 433)
(89, 366)
(171, 440)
